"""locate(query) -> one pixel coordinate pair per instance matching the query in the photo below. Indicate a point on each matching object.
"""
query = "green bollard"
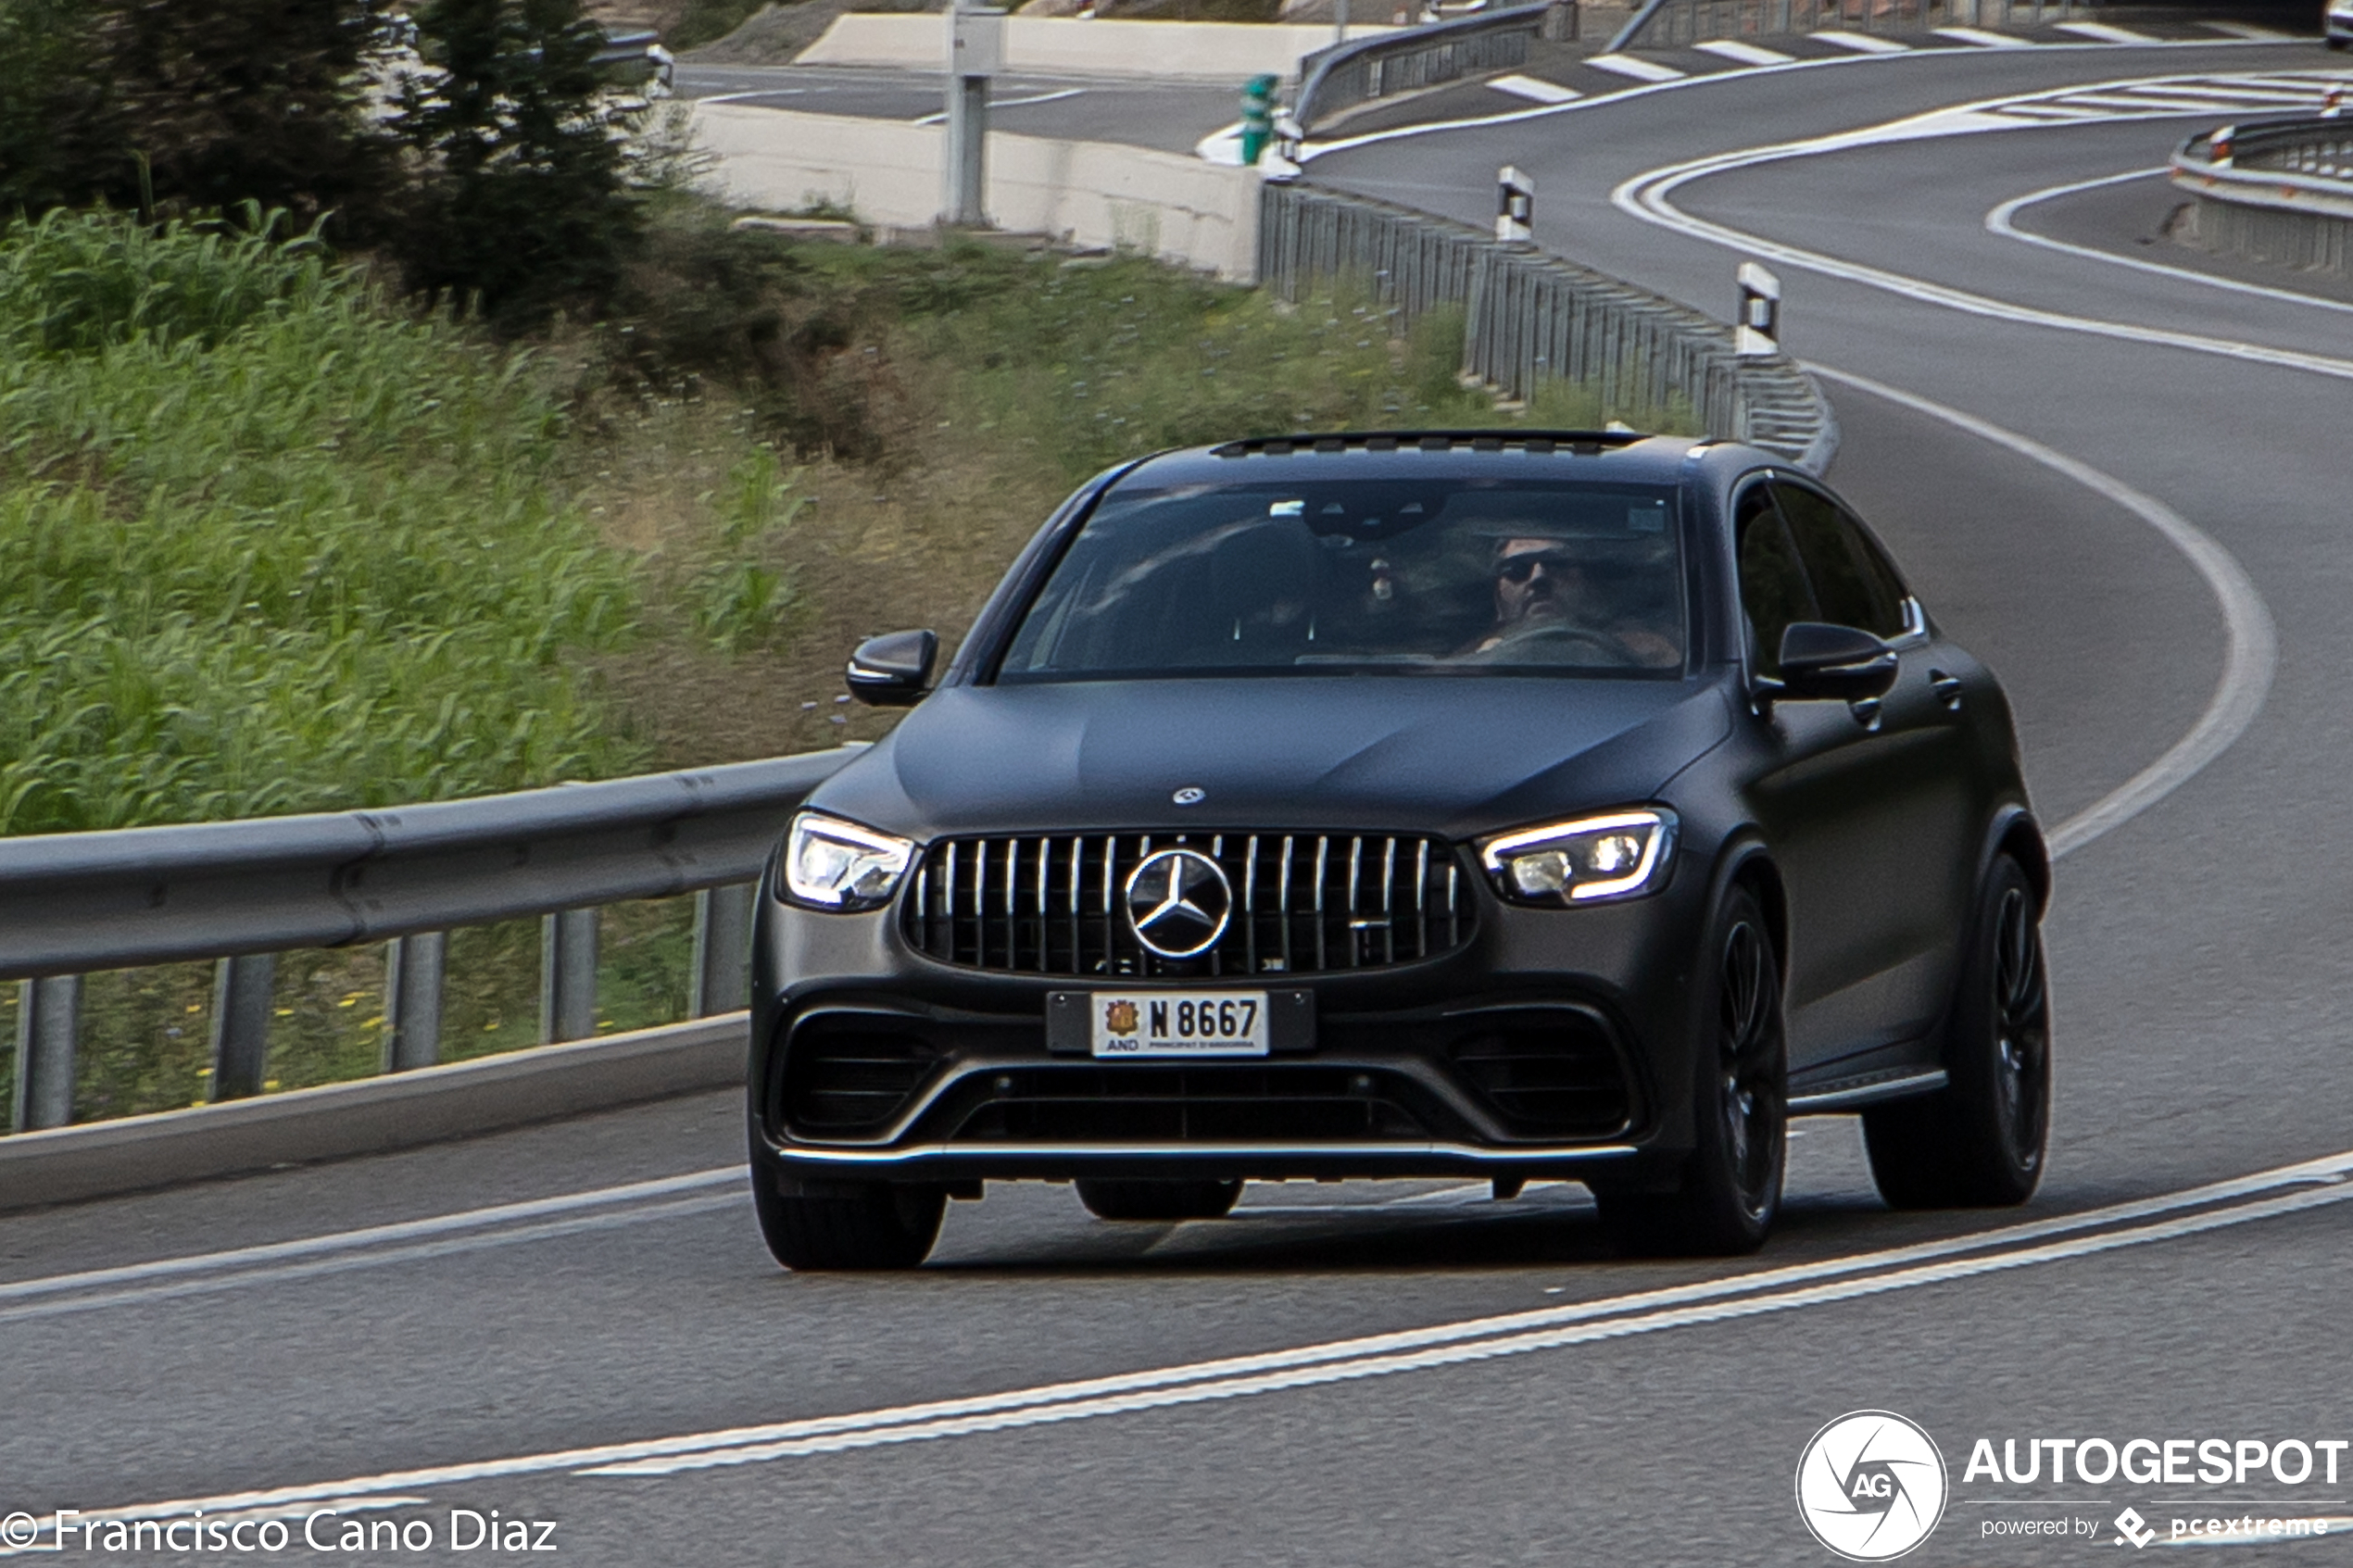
(1258, 117)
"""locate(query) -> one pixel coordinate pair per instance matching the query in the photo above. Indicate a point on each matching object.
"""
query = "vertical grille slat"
(1302, 903)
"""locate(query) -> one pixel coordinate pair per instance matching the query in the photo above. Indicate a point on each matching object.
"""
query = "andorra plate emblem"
(1119, 1018)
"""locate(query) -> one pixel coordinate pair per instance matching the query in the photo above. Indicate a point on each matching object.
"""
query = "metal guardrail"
(1666, 24)
(1340, 78)
(245, 891)
(2278, 191)
(1531, 317)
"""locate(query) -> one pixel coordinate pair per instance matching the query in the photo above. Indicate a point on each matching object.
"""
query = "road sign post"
(975, 52)
(1759, 329)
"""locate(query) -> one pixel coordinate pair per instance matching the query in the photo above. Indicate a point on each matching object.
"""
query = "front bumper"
(1554, 1044)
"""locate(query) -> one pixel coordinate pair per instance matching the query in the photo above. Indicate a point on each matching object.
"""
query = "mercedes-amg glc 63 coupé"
(1516, 806)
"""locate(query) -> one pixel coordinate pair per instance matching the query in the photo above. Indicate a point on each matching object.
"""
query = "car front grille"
(1301, 903)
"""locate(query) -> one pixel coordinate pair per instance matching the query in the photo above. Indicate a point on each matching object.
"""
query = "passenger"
(1543, 583)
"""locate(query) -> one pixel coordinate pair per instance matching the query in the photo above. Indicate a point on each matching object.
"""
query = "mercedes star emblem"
(1191, 795)
(1178, 903)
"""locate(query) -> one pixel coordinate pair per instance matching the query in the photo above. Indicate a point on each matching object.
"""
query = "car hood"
(1455, 757)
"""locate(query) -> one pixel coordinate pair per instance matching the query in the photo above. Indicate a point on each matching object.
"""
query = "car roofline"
(1581, 442)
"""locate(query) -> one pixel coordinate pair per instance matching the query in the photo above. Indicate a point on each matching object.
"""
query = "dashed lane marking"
(1640, 69)
(1862, 43)
(1985, 40)
(2106, 32)
(1744, 54)
(1535, 89)
(2251, 33)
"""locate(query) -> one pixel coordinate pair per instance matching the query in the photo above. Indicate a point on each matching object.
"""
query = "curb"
(371, 1115)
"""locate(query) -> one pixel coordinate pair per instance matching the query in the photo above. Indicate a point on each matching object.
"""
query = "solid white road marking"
(1641, 71)
(2250, 31)
(1746, 54)
(373, 1236)
(2251, 643)
(2238, 1201)
(2105, 32)
(1863, 43)
(1535, 89)
(936, 116)
(1983, 38)
(2002, 221)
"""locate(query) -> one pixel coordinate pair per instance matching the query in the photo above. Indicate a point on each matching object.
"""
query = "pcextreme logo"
(1871, 1486)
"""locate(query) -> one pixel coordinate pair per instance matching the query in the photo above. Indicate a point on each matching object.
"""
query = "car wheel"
(1979, 1142)
(860, 1225)
(1731, 1186)
(1120, 1199)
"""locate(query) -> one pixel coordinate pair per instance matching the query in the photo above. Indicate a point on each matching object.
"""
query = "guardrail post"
(1759, 329)
(48, 1025)
(414, 971)
(722, 949)
(1515, 207)
(241, 991)
(975, 52)
(568, 976)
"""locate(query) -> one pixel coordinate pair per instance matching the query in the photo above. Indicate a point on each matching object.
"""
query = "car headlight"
(1621, 855)
(831, 864)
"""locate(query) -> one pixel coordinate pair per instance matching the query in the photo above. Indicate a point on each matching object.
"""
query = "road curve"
(1440, 1379)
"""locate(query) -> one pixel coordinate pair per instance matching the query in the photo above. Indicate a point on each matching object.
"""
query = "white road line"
(372, 1257)
(1358, 1369)
(2237, 1200)
(2250, 32)
(373, 1236)
(1641, 71)
(1535, 89)
(2106, 32)
(2002, 221)
(935, 116)
(1863, 43)
(1746, 54)
(2251, 645)
(1985, 40)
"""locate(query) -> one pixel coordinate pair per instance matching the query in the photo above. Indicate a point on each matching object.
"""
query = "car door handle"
(1946, 687)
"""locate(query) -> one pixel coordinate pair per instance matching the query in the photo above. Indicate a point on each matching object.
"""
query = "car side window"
(1852, 583)
(1773, 587)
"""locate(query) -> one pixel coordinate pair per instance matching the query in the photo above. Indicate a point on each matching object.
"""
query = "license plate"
(1180, 1022)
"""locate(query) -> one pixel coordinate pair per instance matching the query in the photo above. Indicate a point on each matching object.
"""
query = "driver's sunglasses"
(1521, 570)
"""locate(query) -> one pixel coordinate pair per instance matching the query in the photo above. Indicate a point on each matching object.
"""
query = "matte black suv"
(1566, 806)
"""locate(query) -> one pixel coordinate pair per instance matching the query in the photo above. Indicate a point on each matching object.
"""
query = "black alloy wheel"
(1731, 1188)
(1165, 1201)
(1979, 1141)
(856, 1226)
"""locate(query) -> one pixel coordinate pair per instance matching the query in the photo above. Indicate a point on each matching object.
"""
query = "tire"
(1979, 1143)
(1163, 1200)
(1731, 1188)
(868, 1226)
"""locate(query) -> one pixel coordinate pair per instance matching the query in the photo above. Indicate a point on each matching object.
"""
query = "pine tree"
(522, 204)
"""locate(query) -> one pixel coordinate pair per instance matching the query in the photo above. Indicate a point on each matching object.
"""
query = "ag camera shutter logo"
(1871, 1485)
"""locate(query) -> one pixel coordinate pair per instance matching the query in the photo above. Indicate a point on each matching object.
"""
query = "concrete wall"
(1214, 51)
(1168, 204)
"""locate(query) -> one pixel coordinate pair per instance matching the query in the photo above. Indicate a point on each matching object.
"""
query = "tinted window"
(1773, 589)
(1442, 575)
(1852, 583)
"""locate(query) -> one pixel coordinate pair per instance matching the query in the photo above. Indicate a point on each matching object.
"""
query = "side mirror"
(893, 670)
(1833, 663)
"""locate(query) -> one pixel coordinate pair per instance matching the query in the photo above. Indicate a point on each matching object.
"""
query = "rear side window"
(1853, 584)
(1773, 587)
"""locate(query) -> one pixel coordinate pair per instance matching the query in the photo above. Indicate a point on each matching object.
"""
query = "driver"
(1542, 582)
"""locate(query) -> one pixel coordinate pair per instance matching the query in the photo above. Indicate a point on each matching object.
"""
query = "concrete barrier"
(1065, 45)
(1167, 205)
(397, 1111)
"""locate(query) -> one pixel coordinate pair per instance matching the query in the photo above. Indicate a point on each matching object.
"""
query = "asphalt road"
(2194, 946)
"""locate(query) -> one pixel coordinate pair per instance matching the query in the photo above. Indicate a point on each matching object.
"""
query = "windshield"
(1445, 576)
